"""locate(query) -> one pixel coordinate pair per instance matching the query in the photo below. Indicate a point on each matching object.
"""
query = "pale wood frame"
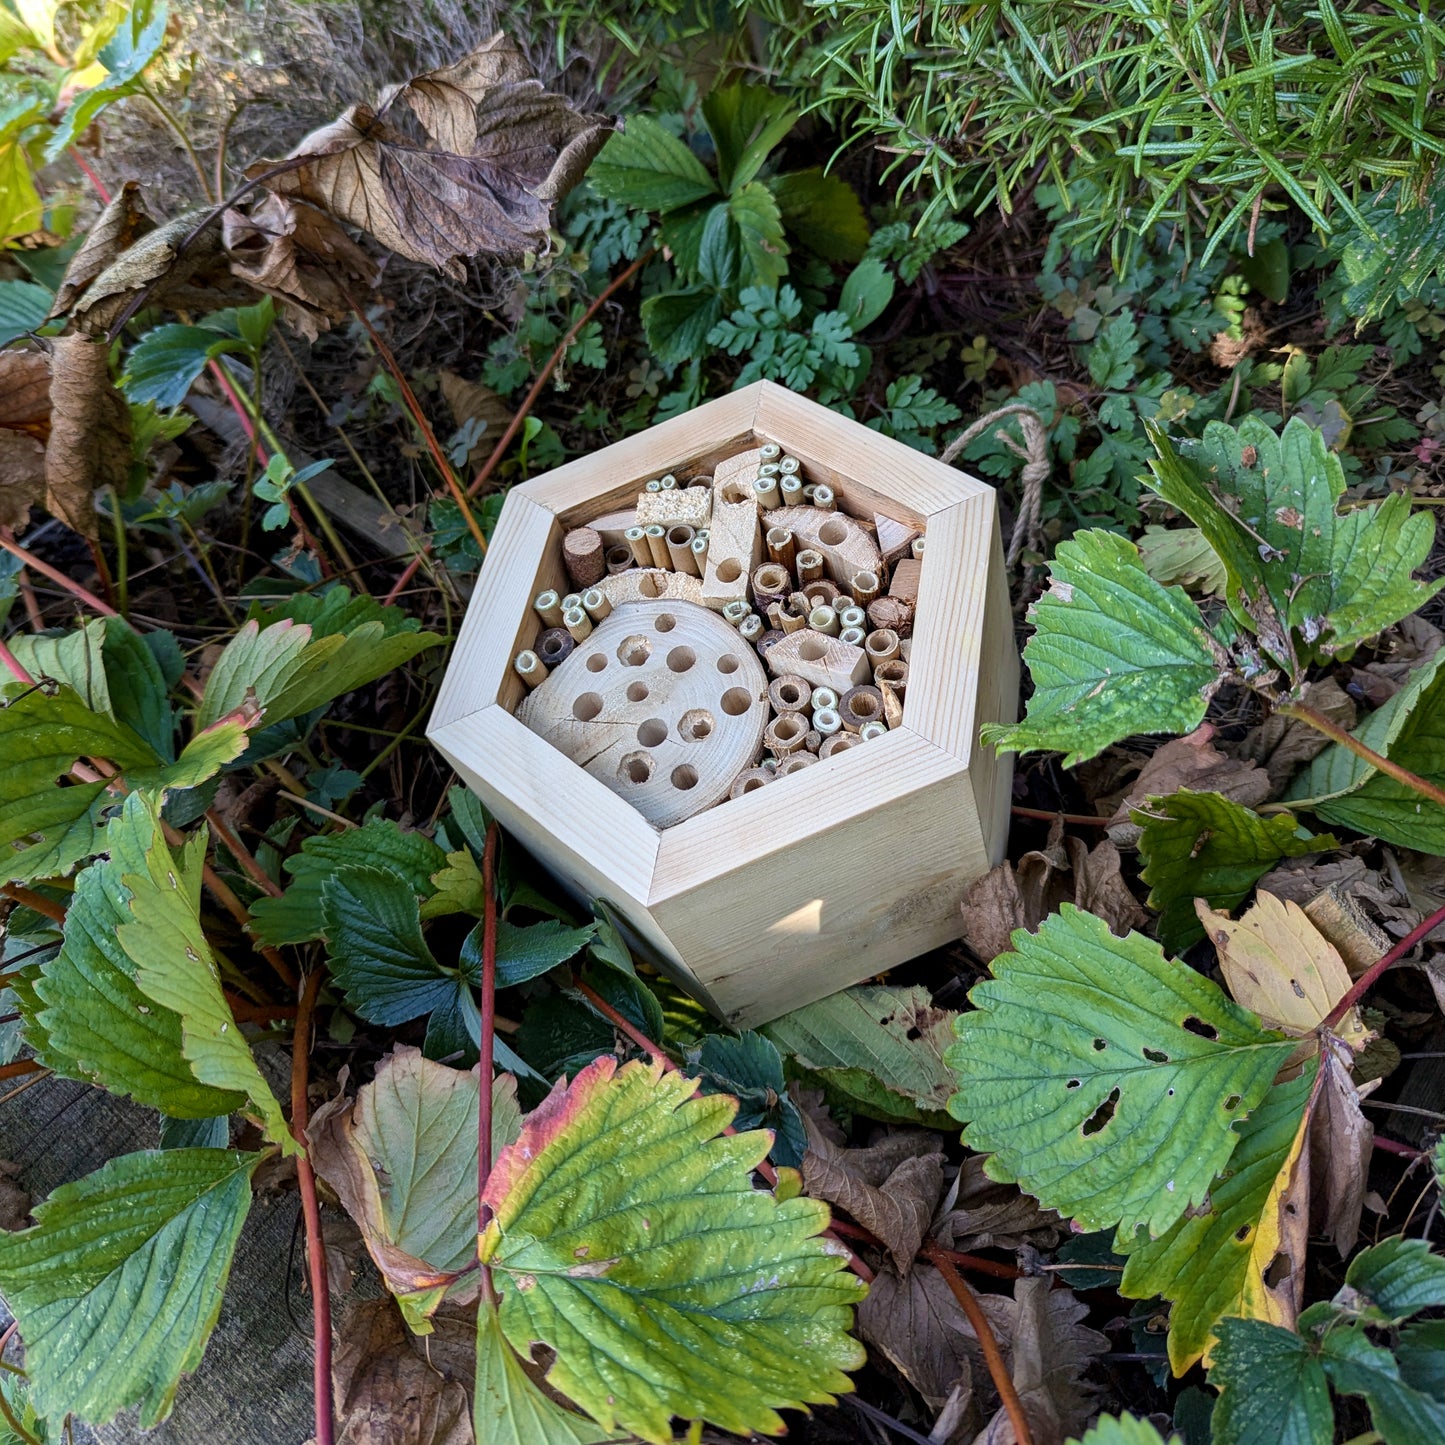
(824, 877)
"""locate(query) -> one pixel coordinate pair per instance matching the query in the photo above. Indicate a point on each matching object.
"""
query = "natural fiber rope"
(1037, 466)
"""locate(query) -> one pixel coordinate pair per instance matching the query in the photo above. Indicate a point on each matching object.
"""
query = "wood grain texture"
(821, 878)
(650, 584)
(842, 541)
(820, 660)
(662, 703)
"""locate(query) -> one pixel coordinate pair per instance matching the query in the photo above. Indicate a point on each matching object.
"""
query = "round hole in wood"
(652, 732)
(695, 724)
(736, 492)
(634, 651)
(648, 586)
(587, 706)
(664, 622)
(596, 662)
(833, 533)
(635, 768)
(637, 692)
(727, 663)
(729, 570)
(736, 701)
(812, 650)
(684, 777)
(681, 658)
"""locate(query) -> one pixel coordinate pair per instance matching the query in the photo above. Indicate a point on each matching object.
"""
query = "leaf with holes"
(628, 1238)
(881, 1048)
(174, 966)
(1213, 1262)
(1104, 1078)
(1204, 845)
(1113, 653)
(118, 1285)
(402, 1156)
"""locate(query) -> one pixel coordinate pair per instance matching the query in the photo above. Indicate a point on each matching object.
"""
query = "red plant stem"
(1367, 979)
(1322, 724)
(95, 181)
(1079, 820)
(40, 904)
(311, 1214)
(242, 854)
(21, 1066)
(55, 575)
(487, 1008)
(992, 1355)
(975, 1262)
(494, 457)
(1393, 1146)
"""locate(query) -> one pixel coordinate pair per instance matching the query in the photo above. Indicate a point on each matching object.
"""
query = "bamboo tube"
(786, 734)
(813, 741)
(750, 781)
(790, 694)
(653, 486)
(619, 559)
(810, 565)
(791, 488)
(596, 604)
(750, 629)
(765, 489)
(771, 584)
(853, 616)
(770, 451)
(791, 617)
(874, 729)
(917, 548)
(734, 612)
(825, 620)
(570, 603)
(578, 623)
(860, 706)
(782, 547)
(637, 540)
(826, 698)
(530, 668)
(827, 722)
(548, 607)
(865, 586)
(656, 536)
(881, 646)
(838, 743)
(789, 466)
(699, 552)
(795, 762)
(810, 490)
(679, 549)
(667, 483)
(824, 500)
(853, 636)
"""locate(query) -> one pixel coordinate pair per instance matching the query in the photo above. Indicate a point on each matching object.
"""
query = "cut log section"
(650, 584)
(822, 661)
(843, 543)
(661, 703)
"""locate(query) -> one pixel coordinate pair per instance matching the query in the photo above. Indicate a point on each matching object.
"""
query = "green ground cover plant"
(291, 293)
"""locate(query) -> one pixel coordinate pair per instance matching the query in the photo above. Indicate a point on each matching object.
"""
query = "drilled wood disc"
(663, 702)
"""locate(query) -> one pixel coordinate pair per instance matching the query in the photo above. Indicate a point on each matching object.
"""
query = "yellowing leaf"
(1279, 965)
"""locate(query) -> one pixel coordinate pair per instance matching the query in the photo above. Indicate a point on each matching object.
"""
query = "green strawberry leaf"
(880, 1048)
(1209, 1264)
(1356, 1365)
(823, 213)
(760, 232)
(379, 843)
(402, 1156)
(1397, 1278)
(647, 169)
(1204, 845)
(677, 322)
(746, 123)
(1272, 1388)
(1409, 729)
(1104, 1078)
(1113, 653)
(378, 957)
(94, 1021)
(750, 1069)
(1121, 1430)
(174, 966)
(524, 951)
(118, 1285)
(1421, 1353)
(628, 1238)
(164, 363)
(1311, 582)
(509, 1409)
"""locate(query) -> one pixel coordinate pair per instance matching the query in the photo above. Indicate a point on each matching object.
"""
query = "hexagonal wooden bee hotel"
(773, 897)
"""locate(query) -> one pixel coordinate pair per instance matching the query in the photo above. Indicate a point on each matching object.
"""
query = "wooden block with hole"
(778, 893)
(735, 539)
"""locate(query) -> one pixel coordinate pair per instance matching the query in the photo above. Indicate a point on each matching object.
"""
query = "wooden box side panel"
(524, 558)
(823, 897)
(833, 449)
(991, 773)
(689, 445)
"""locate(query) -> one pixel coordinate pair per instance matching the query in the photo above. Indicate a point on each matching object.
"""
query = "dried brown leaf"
(891, 1188)
(471, 401)
(983, 1214)
(1283, 745)
(22, 477)
(89, 445)
(123, 222)
(1341, 1141)
(25, 390)
(1188, 762)
(1066, 870)
(1050, 1351)
(14, 1200)
(300, 256)
(156, 261)
(499, 151)
(387, 1391)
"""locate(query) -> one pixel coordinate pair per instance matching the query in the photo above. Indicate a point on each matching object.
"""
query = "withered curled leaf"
(497, 152)
(90, 432)
(123, 222)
